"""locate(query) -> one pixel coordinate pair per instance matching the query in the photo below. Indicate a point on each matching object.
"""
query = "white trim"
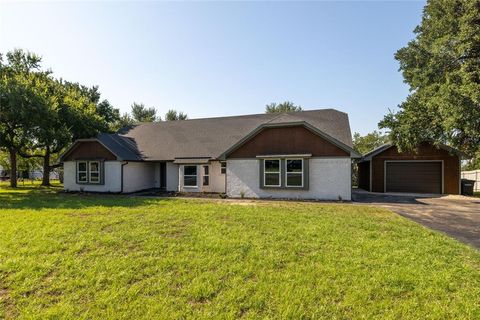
(279, 174)
(385, 171)
(190, 175)
(306, 155)
(294, 173)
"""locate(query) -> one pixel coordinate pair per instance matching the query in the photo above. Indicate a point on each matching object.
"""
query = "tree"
(125, 121)
(173, 115)
(368, 142)
(442, 67)
(286, 106)
(110, 115)
(20, 103)
(140, 113)
(473, 163)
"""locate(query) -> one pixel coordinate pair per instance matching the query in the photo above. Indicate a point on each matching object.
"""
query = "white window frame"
(206, 175)
(293, 173)
(78, 171)
(97, 171)
(190, 175)
(279, 173)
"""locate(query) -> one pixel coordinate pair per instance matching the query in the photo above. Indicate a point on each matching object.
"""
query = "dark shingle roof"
(211, 137)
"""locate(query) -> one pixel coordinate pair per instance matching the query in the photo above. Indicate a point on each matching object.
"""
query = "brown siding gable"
(83, 150)
(287, 140)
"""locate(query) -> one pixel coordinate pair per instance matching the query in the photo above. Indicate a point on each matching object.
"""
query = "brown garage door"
(414, 177)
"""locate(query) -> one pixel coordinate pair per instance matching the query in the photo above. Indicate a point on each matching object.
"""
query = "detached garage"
(427, 170)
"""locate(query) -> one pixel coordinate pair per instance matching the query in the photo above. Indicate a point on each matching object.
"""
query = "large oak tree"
(442, 67)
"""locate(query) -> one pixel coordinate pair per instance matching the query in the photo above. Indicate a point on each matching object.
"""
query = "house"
(301, 155)
(428, 169)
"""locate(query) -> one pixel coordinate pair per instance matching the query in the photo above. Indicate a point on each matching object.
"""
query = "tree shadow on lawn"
(38, 198)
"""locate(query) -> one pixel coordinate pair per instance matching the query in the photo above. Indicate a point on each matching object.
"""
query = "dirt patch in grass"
(9, 309)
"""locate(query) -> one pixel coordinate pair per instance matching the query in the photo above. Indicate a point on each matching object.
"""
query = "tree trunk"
(13, 168)
(46, 169)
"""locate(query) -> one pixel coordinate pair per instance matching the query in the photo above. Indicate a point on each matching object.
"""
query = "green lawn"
(116, 257)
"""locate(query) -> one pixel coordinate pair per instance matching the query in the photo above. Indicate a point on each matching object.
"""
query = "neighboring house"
(304, 155)
(428, 170)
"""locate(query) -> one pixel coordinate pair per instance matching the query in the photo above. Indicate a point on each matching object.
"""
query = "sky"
(223, 58)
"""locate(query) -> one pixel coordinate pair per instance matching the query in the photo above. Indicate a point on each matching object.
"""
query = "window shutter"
(306, 173)
(260, 162)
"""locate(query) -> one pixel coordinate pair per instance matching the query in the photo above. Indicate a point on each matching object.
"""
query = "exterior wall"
(112, 178)
(364, 175)
(287, 140)
(172, 176)
(216, 180)
(89, 150)
(451, 166)
(329, 179)
(138, 176)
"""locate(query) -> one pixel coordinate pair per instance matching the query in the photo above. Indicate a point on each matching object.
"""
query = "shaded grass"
(92, 256)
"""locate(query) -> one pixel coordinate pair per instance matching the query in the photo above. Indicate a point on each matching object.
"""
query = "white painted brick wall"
(112, 178)
(330, 179)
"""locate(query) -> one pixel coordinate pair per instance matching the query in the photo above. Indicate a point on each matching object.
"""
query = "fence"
(473, 175)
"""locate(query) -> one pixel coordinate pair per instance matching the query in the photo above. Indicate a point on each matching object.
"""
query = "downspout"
(121, 179)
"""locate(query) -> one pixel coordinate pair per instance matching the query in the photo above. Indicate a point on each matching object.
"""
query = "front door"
(163, 175)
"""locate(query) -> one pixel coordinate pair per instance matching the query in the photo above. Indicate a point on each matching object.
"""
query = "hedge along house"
(304, 155)
(428, 169)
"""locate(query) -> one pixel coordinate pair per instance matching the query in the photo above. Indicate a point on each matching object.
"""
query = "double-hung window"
(206, 176)
(190, 176)
(94, 172)
(294, 173)
(271, 171)
(82, 171)
(89, 172)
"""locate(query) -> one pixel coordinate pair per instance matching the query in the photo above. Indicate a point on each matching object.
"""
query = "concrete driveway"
(457, 216)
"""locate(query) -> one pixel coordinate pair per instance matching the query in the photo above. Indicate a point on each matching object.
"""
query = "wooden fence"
(473, 175)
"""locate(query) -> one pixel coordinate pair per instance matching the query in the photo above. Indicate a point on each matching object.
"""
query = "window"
(294, 172)
(94, 172)
(190, 176)
(89, 172)
(82, 172)
(223, 167)
(271, 173)
(206, 177)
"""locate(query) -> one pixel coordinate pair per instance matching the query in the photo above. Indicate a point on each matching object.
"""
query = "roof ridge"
(243, 116)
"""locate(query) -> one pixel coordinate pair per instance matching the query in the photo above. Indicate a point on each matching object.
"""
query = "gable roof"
(212, 137)
(368, 156)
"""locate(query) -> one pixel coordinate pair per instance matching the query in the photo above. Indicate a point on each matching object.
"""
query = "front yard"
(119, 257)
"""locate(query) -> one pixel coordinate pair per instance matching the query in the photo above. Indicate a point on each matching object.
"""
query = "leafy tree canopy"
(286, 106)
(140, 113)
(368, 142)
(442, 67)
(173, 115)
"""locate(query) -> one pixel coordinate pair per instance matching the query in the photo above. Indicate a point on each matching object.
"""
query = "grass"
(476, 194)
(119, 257)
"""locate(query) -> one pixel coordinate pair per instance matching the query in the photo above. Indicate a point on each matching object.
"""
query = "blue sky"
(217, 58)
